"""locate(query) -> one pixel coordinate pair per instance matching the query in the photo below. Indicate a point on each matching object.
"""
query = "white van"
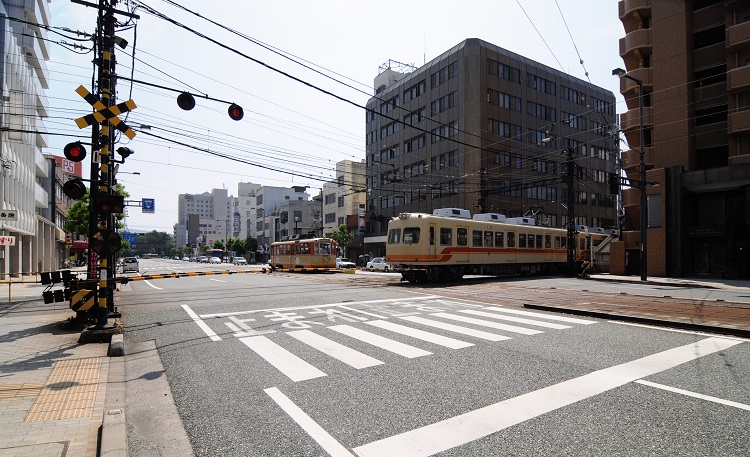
(130, 264)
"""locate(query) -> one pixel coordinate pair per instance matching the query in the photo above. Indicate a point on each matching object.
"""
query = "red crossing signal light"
(236, 112)
(74, 188)
(75, 152)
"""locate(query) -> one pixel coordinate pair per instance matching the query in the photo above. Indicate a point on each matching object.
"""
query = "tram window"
(558, 242)
(488, 239)
(583, 244)
(511, 239)
(499, 238)
(531, 240)
(462, 237)
(564, 243)
(432, 236)
(446, 236)
(547, 241)
(539, 241)
(521, 240)
(394, 236)
(411, 235)
(304, 249)
(476, 238)
(324, 248)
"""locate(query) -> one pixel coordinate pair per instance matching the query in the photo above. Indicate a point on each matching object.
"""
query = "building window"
(654, 210)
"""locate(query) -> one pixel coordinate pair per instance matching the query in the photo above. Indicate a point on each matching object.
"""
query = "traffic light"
(614, 184)
(186, 101)
(125, 152)
(108, 204)
(74, 188)
(236, 112)
(75, 152)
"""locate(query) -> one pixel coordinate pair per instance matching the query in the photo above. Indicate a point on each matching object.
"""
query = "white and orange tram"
(304, 255)
(449, 244)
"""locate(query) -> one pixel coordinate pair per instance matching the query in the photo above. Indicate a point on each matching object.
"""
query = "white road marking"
(675, 330)
(485, 323)
(289, 364)
(457, 328)
(217, 280)
(571, 320)
(149, 283)
(381, 342)
(519, 320)
(206, 329)
(316, 432)
(421, 334)
(327, 305)
(473, 425)
(695, 395)
(336, 350)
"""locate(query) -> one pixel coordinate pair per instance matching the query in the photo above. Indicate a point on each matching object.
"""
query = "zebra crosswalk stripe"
(336, 350)
(380, 341)
(421, 334)
(484, 323)
(571, 320)
(519, 320)
(289, 364)
(456, 328)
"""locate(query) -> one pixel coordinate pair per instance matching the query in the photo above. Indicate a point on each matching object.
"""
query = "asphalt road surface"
(344, 365)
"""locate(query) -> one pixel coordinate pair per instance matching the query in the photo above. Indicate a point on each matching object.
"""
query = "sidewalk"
(53, 391)
(697, 315)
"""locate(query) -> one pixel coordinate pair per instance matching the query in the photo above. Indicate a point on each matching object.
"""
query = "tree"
(77, 217)
(343, 237)
(154, 242)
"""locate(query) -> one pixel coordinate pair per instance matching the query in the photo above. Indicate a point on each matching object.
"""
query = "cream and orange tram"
(306, 254)
(450, 243)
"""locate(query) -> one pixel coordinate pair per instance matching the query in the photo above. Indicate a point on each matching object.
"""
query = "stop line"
(429, 323)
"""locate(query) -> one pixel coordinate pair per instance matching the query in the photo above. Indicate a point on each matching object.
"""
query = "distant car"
(176, 258)
(185, 259)
(343, 262)
(239, 261)
(379, 264)
(214, 260)
(203, 259)
(130, 264)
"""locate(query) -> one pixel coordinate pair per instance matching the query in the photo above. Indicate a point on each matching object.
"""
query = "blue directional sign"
(130, 238)
(148, 205)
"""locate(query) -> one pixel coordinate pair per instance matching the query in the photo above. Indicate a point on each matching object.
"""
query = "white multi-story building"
(215, 218)
(343, 196)
(23, 168)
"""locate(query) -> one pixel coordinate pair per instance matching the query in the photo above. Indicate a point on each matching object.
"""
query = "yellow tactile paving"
(70, 391)
(28, 389)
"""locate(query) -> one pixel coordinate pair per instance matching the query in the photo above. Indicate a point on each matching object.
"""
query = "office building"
(485, 129)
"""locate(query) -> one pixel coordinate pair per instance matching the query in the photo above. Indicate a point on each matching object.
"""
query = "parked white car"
(343, 262)
(214, 260)
(239, 261)
(378, 264)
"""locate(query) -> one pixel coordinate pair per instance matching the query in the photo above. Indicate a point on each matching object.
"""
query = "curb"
(643, 320)
(114, 431)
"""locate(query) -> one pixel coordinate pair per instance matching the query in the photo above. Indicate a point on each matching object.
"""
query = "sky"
(292, 134)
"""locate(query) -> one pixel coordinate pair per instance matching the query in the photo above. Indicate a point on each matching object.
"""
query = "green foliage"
(343, 237)
(218, 245)
(154, 242)
(77, 218)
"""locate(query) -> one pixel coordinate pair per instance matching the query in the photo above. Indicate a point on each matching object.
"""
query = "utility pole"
(569, 180)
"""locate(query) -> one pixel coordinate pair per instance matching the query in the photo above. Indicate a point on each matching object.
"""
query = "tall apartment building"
(343, 199)
(693, 59)
(488, 130)
(23, 168)
(215, 211)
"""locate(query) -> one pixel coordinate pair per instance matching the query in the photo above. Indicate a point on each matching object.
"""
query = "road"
(293, 364)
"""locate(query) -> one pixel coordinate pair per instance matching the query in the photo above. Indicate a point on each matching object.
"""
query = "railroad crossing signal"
(103, 113)
(105, 242)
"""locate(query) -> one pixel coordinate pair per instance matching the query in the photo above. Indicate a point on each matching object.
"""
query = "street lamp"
(642, 185)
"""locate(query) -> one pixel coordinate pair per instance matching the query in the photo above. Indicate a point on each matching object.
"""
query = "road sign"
(148, 205)
(130, 238)
(103, 113)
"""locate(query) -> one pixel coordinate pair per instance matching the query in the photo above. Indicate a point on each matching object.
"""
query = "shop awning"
(79, 245)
